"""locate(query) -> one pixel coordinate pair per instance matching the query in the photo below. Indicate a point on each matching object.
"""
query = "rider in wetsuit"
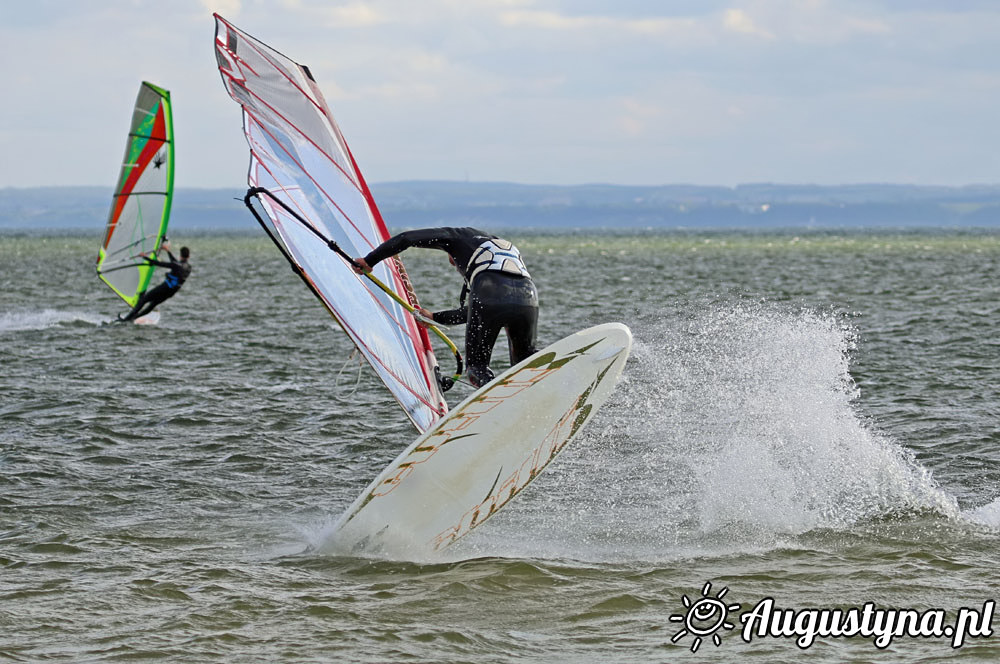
(500, 292)
(179, 271)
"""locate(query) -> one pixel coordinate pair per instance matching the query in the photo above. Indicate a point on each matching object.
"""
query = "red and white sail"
(299, 155)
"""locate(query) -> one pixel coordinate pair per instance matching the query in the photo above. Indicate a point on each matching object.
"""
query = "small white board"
(152, 318)
(485, 451)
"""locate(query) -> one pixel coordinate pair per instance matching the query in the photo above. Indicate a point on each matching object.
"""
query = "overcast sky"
(531, 91)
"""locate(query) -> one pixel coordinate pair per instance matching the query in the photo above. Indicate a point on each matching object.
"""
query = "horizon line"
(568, 186)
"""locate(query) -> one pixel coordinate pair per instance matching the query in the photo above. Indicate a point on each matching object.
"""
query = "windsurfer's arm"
(451, 317)
(152, 261)
(423, 316)
(426, 238)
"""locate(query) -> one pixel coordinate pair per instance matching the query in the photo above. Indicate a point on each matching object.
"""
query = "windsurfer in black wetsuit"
(179, 271)
(500, 292)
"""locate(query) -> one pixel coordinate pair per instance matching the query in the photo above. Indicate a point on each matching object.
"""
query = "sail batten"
(311, 190)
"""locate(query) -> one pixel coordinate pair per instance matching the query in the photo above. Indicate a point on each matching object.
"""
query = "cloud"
(637, 115)
(352, 16)
(737, 20)
(549, 20)
(529, 90)
(815, 22)
(230, 8)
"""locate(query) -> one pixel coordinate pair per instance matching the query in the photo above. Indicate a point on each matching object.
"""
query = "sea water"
(808, 426)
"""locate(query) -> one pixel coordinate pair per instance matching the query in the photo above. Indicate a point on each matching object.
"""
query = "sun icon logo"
(704, 617)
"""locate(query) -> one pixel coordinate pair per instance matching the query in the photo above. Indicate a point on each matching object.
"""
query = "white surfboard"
(152, 318)
(486, 450)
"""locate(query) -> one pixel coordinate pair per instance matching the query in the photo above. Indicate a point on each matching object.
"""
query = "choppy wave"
(159, 489)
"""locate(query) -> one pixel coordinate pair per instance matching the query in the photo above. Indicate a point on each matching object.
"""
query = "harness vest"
(496, 255)
(174, 281)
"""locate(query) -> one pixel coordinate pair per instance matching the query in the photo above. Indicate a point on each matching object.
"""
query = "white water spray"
(734, 428)
(19, 321)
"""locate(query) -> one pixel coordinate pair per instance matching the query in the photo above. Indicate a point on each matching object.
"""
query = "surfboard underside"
(487, 450)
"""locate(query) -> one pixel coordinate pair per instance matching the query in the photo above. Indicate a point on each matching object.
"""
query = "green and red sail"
(140, 208)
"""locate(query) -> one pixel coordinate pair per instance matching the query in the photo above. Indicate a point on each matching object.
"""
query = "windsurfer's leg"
(480, 335)
(520, 318)
(150, 301)
(522, 333)
(145, 310)
(138, 305)
(499, 301)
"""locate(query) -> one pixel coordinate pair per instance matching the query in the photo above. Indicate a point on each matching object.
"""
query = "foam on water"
(987, 515)
(19, 321)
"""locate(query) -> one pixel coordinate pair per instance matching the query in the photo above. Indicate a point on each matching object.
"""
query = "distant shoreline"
(506, 205)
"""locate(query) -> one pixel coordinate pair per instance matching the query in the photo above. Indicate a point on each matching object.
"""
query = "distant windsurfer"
(179, 271)
(501, 294)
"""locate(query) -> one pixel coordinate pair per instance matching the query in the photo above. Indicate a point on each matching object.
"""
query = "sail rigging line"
(130, 246)
(317, 184)
(301, 166)
(270, 107)
(316, 291)
(333, 246)
(137, 169)
(154, 139)
(276, 66)
(349, 259)
(361, 186)
(123, 267)
(364, 191)
(411, 294)
(319, 235)
(354, 356)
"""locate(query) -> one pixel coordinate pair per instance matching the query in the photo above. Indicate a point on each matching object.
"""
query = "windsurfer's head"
(185, 252)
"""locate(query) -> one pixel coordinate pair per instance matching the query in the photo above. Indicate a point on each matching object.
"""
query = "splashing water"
(987, 515)
(733, 426)
(38, 320)
(782, 447)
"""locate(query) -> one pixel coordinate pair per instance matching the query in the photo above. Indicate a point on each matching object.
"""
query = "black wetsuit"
(496, 299)
(179, 271)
